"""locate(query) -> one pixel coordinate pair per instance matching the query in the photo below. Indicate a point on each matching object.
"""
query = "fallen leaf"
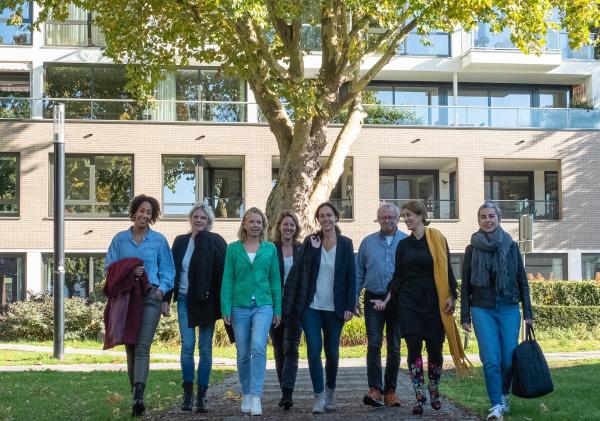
(114, 398)
(543, 408)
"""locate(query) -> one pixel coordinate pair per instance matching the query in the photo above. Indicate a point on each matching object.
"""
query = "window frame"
(200, 165)
(23, 256)
(26, 21)
(92, 202)
(16, 214)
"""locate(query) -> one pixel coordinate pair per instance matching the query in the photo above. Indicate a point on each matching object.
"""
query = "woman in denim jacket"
(493, 284)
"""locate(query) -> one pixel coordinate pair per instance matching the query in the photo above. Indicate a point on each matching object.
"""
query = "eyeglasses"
(388, 218)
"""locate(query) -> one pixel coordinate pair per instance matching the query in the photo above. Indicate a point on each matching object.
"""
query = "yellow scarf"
(437, 247)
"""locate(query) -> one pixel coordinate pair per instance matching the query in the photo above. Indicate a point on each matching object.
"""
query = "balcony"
(436, 209)
(246, 112)
(483, 49)
(540, 209)
(439, 43)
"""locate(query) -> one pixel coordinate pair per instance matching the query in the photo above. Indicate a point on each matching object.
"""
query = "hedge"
(565, 317)
(32, 320)
(565, 293)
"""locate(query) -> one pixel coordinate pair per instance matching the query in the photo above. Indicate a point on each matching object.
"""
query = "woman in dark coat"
(286, 337)
(493, 284)
(321, 291)
(199, 258)
(423, 300)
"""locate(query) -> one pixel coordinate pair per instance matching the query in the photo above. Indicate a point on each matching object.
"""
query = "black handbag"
(531, 375)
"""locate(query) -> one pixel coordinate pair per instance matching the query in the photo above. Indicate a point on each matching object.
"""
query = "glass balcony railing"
(15, 107)
(540, 209)
(242, 112)
(439, 42)
(483, 38)
(436, 208)
(222, 207)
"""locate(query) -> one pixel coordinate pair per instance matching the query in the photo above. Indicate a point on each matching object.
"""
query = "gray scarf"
(489, 258)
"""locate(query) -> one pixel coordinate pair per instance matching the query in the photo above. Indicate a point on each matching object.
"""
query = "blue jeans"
(251, 329)
(497, 332)
(188, 343)
(314, 322)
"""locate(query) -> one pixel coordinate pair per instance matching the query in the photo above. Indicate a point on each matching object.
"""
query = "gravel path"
(224, 401)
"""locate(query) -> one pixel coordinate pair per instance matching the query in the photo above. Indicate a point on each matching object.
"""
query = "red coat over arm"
(125, 306)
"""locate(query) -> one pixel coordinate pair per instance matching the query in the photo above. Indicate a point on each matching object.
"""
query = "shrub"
(34, 319)
(565, 293)
(566, 317)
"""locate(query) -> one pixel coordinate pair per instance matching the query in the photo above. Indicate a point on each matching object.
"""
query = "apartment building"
(465, 119)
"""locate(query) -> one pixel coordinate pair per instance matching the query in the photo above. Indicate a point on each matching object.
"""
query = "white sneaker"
(246, 404)
(256, 407)
(506, 404)
(330, 399)
(496, 412)
(319, 404)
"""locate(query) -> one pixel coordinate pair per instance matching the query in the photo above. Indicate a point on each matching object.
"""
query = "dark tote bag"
(531, 375)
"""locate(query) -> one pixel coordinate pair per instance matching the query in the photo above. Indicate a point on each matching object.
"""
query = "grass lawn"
(8, 357)
(85, 396)
(572, 399)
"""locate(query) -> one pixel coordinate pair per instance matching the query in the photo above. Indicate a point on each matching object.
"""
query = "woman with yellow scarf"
(423, 291)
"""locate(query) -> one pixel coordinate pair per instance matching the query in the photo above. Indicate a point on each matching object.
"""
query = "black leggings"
(414, 345)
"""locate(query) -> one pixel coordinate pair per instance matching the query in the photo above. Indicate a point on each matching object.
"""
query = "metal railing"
(241, 112)
(436, 208)
(540, 209)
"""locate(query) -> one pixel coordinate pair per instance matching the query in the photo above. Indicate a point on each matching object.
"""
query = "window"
(551, 206)
(90, 86)
(15, 35)
(590, 266)
(456, 261)
(96, 185)
(342, 194)
(214, 180)
(400, 186)
(546, 266)
(84, 274)
(12, 278)
(9, 184)
(196, 94)
(77, 29)
(414, 104)
(512, 191)
(15, 90)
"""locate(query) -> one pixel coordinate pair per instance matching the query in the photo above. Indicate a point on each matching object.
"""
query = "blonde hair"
(276, 234)
(242, 235)
(207, 210)
(418, 208)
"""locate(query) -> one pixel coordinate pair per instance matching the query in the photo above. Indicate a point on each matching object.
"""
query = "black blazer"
(302, 280)
(295, 256)
(204, 275)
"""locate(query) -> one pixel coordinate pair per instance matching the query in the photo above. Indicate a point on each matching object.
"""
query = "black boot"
(286, 401)
(201, 401)
(188, 396)
(137, 407)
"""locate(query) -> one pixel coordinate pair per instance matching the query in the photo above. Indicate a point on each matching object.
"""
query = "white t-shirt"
(287, 265)
(323, 299)
(185, 267)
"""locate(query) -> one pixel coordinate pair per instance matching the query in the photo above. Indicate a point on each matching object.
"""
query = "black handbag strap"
(529, 332)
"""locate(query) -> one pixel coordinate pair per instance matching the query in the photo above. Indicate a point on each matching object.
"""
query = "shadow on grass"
(573, 397)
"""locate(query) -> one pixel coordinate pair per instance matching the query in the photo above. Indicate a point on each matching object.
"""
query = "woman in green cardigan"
(251, 302)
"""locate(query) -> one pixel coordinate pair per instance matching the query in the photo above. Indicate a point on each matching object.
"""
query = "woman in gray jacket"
(493, 284)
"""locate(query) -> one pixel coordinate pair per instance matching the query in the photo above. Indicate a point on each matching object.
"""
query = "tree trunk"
(300, 185)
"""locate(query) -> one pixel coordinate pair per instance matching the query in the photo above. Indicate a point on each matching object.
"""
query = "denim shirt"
(375, 262)
(153, 250)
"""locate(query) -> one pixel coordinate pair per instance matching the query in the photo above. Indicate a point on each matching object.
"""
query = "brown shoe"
(373, 398)
(391, 399)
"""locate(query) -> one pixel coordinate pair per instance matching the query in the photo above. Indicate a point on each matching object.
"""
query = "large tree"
(262, 42)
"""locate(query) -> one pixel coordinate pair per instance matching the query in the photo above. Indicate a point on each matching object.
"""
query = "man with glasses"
(375, 265)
